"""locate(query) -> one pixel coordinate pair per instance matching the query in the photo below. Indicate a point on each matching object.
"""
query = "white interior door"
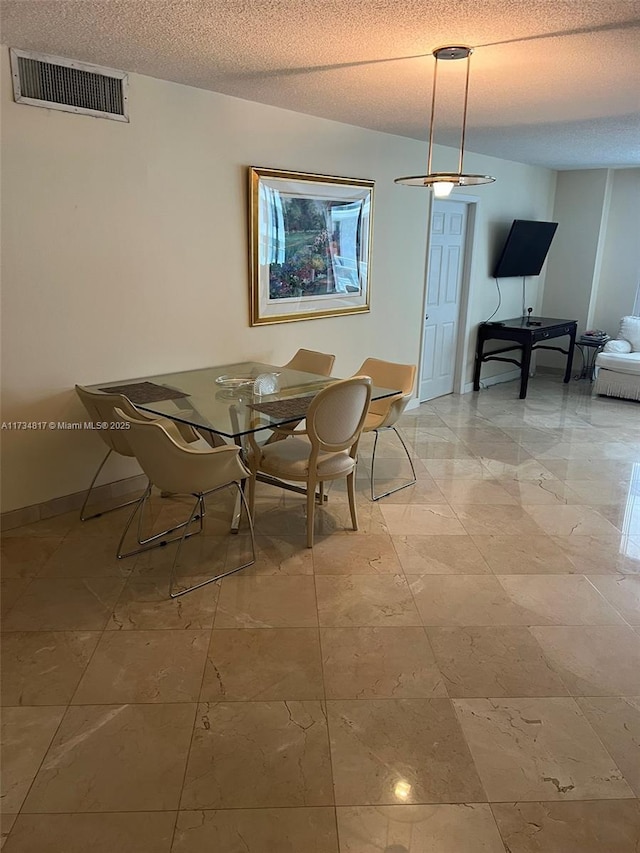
(444, 285)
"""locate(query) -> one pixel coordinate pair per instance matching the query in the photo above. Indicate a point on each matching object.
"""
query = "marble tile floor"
(461, 675)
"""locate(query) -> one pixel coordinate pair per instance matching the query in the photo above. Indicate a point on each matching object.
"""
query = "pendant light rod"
(433, 114)
(445, 181)
(464, 111)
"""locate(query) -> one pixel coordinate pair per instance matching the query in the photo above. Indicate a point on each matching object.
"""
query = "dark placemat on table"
(145, 392)
(292, 407)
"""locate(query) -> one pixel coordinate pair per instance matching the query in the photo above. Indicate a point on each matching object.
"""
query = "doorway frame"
(462, 344)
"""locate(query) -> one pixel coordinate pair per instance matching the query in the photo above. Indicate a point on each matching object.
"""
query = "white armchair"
(618, 365)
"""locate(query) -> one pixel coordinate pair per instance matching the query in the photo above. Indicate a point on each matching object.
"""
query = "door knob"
(426, 316)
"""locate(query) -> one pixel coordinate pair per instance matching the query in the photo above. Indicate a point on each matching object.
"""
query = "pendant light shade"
(443, 182)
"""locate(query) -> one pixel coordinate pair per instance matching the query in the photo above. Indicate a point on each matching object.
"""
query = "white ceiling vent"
(64, 84)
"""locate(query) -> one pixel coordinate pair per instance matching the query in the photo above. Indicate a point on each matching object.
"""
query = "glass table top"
(221, 399)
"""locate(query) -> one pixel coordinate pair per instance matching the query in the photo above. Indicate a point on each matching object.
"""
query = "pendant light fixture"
(443, 182)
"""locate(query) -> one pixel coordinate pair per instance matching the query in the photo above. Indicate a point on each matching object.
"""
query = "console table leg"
(524, 370)
(478, 364)
(572, 341)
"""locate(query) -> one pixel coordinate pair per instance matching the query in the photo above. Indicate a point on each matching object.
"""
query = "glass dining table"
(222, 400)
(221, 403)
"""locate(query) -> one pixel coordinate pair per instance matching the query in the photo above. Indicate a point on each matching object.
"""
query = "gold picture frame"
(310, 245)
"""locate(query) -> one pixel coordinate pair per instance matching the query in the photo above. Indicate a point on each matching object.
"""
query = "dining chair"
(178, 469)
(383, 414)
(325, 452)
(311, 361)
(100, 407)
(308, 361)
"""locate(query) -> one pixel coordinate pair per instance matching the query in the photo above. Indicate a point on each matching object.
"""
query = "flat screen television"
(525, 248)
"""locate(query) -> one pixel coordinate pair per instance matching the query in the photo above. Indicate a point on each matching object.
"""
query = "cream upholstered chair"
(100, 408)
(383, 414)
(311, 361)
(178, 469)
(327, 449)
(308, 361)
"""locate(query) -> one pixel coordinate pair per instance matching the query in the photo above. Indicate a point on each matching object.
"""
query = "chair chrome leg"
(351, 491)
(311, 506)
(200, 501)
(139, 506)
(198, 517)
(152, 541)
(84, 517)
(375, 497)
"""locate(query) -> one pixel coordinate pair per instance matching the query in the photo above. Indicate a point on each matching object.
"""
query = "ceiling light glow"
(402, 790)
(442, 189)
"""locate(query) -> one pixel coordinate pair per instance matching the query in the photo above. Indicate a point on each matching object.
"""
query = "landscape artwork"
(310, 241)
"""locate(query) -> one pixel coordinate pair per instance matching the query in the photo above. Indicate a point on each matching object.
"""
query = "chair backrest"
(310, 361)
(337, 413)
(173, 465)
(390, 374)
(100, 408)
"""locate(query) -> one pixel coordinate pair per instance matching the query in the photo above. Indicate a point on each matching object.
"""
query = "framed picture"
(310, 245)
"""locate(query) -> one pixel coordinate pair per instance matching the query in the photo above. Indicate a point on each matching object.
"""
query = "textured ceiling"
(553, 82)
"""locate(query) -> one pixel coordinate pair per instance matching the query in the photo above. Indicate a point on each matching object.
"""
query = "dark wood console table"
(528, 335)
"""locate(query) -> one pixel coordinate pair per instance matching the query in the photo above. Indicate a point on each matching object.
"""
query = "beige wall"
(580, 210)
(520, 192)
(620, 269)
(594, 262)
(124, 253)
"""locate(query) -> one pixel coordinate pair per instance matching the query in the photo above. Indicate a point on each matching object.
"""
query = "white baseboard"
(497, 379)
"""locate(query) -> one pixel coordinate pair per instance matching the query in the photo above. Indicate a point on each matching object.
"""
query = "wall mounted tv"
(525, 248)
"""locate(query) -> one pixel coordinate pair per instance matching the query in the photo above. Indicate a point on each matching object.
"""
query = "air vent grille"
(64, 84)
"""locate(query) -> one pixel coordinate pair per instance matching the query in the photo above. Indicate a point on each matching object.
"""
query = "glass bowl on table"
(232, 386)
